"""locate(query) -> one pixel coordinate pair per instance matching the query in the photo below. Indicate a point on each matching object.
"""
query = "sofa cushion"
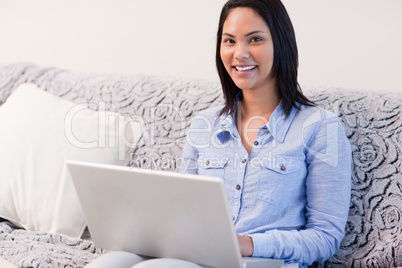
(38, 133)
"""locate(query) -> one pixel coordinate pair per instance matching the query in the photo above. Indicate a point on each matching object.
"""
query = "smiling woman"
(283, 207)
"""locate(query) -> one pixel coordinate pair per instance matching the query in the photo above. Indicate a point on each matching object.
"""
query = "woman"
(286, 164)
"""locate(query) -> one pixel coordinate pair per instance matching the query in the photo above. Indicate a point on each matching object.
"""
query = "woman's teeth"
(247, 68)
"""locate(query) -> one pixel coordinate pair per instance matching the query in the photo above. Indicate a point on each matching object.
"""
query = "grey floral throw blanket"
(30, 249)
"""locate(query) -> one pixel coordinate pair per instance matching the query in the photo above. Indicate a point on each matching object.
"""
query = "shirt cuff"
(264, 245)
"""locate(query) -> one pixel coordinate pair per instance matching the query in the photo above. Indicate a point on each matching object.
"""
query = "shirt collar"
(278, 125)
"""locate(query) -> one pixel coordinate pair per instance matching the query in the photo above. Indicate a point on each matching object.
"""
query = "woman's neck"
(259, 103)
(255, 111)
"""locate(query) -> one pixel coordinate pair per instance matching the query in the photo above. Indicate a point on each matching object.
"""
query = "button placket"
(238, 184)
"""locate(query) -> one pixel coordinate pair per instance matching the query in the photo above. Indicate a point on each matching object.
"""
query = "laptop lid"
(157, 213)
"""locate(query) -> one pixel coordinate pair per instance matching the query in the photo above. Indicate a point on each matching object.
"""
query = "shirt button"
(283, 168)
(207, 162)
(238, 187)
(256, 143)
(244, 161)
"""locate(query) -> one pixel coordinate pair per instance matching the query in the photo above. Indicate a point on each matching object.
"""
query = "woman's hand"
(246, 245)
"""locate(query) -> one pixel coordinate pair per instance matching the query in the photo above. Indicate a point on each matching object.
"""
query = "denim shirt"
(291, 194)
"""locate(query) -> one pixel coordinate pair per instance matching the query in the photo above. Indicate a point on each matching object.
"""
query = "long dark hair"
(285, 54)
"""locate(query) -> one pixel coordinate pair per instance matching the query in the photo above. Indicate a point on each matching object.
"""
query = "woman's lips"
(244, 69)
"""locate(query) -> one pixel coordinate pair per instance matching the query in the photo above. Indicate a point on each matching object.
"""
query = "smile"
(245, 68)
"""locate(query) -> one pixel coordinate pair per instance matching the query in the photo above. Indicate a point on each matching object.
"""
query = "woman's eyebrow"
(248, 34)
(254, 32)
(228, 34)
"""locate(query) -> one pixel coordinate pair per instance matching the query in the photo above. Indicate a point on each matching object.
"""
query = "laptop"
(160, 214)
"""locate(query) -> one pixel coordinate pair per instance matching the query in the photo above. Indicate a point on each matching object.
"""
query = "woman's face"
(247, 50)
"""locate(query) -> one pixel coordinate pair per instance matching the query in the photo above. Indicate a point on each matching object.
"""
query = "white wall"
(353, 43)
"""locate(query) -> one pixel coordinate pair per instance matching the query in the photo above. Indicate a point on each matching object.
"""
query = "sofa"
(165, 106)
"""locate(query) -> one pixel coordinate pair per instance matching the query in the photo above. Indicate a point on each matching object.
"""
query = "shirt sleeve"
(328, 187)
(189, 158)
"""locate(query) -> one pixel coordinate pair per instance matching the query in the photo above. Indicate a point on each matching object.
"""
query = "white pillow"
(38, 133)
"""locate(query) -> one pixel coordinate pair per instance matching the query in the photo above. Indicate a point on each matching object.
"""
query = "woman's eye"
(228, 41)
(256, 39)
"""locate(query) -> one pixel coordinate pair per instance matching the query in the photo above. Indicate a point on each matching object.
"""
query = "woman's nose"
(241, 52)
